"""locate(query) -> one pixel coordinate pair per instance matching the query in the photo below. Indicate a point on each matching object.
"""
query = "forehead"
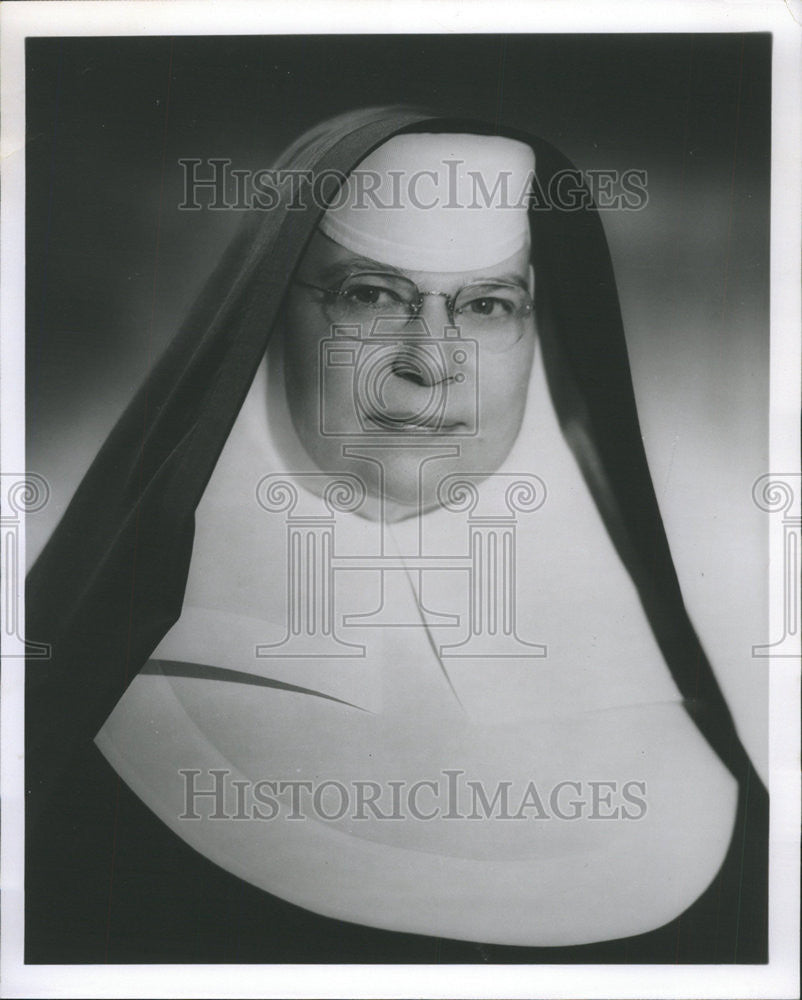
(327, 261)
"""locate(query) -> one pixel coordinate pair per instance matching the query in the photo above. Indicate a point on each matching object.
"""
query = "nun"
(368, 644)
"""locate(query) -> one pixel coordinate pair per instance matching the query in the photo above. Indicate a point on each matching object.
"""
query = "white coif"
(436, 202)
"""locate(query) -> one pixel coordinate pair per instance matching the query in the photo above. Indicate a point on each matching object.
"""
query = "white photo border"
(783, 18)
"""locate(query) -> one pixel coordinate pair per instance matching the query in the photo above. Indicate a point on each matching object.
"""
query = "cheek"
(302, 337)
(298, 348)
(503, 383)
(304, 334)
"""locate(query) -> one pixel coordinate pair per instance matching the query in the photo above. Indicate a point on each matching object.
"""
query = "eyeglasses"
(492, 311)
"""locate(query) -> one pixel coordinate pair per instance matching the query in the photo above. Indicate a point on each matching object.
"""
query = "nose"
(434, 313)
(417, 365)
(416, 362)
(411, 364)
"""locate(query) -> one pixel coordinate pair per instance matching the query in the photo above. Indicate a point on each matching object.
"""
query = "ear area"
(531, 281)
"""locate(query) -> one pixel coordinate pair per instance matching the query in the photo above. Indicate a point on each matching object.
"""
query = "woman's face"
(397, 400)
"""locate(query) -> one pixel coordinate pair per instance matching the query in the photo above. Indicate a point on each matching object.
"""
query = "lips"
(411, 423)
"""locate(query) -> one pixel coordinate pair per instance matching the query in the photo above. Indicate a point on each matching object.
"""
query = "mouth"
(398, 423)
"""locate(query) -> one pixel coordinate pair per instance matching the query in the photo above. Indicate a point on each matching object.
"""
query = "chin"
(403, 495)
(401, 489)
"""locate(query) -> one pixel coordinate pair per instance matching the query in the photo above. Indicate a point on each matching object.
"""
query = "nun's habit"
(618, 689)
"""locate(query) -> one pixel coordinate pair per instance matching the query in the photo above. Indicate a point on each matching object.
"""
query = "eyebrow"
(512, 276)
(342, 268)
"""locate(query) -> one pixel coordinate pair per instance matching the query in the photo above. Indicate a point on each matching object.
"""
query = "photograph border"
(779, 978)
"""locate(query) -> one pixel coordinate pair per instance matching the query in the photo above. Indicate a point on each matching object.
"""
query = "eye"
(488, 306)
(492, 304)
(370, 295)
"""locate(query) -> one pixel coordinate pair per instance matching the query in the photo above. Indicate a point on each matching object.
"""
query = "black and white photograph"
(400, 501)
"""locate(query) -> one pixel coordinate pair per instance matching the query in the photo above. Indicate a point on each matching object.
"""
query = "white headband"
(436, 202)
